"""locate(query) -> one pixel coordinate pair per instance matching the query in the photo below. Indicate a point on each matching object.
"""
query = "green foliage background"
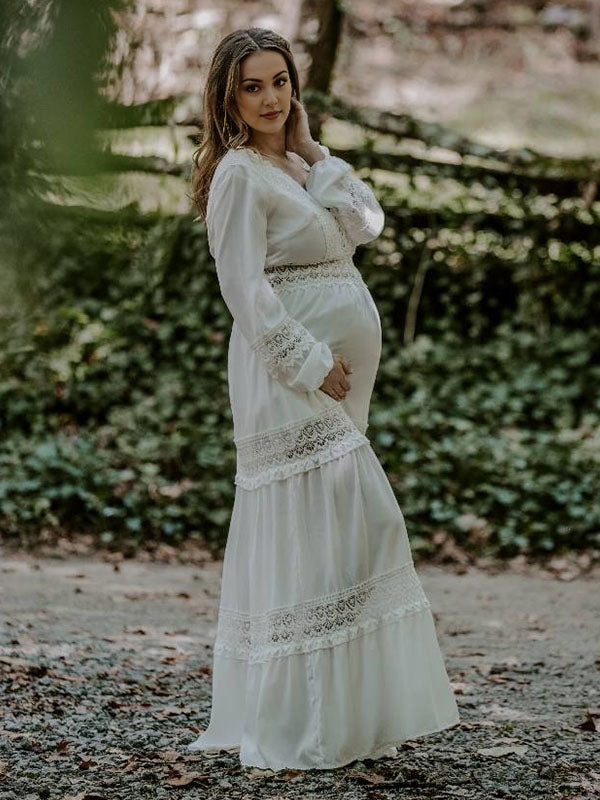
(114, 407)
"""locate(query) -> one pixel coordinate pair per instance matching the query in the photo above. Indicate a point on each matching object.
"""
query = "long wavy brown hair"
(222, 127)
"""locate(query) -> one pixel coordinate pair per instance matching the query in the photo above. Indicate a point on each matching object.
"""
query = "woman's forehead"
(263, 65)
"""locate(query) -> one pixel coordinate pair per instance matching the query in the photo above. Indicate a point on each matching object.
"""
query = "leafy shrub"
(114, 404)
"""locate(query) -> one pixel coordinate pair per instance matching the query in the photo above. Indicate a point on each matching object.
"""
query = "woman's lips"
(272, 115)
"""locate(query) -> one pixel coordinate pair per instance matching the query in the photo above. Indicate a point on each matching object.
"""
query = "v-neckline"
(287, 174)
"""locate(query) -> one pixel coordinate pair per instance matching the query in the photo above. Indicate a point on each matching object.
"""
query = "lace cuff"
(334, 184)
(293, 355)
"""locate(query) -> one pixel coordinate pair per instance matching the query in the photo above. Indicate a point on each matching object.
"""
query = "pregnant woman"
(325, 649)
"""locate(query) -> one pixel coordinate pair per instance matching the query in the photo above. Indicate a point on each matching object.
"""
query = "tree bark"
(321, 48)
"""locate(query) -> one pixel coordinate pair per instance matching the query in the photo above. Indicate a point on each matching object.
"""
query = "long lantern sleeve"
(236, 222)
(334, 184)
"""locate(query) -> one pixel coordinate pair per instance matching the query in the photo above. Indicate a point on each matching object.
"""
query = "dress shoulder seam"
(234, 161)
(239, 162)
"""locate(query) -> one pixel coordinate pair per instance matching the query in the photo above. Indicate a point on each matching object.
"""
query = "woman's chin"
(270, 126)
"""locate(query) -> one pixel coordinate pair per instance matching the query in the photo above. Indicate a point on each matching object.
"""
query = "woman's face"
(264, 86)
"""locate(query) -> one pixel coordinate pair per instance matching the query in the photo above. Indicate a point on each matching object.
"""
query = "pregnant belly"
(346, 318)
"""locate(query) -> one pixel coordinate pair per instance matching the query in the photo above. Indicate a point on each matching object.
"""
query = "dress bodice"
(301, 229)
(260, 221)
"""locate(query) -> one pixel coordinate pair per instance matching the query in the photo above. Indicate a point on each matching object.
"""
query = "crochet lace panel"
(322, 622)
(285, 346)
(361, 217)
(290, 277)
(296, 447)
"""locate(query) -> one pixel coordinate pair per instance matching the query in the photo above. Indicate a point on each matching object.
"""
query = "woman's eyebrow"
(259, 80)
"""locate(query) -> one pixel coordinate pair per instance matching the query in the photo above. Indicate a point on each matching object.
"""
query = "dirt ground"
(105, 674)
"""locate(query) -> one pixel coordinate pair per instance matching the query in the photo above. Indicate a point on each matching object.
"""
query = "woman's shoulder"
(235, 165)
(241, 159)
(234, 169)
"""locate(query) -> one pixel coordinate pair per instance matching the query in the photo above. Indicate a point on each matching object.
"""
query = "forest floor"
(105, 676)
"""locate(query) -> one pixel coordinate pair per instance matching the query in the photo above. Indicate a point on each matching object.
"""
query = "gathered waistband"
(290, 276)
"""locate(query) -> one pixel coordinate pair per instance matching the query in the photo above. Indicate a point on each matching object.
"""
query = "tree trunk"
(321, 46)
(324, 49)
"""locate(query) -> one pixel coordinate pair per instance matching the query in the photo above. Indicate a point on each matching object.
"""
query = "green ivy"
(114, 406)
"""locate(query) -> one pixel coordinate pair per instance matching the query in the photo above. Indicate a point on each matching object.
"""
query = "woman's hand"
(336, 384)
(297, 133)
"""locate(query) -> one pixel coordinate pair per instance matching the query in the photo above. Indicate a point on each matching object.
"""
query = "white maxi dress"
(325, 648)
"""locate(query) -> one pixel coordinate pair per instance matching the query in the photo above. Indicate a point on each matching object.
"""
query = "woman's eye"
(256, 86)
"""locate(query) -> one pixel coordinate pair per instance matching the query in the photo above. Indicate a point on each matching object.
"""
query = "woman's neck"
(272, 145)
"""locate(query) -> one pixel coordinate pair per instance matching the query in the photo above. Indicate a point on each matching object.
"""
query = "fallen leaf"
(368, 777)
(257, 772)
(590, 723)
(205, 754)
(504, 750)
(186, 780)
(169, 755)
(166, 711)
(290, 774)
(459, 687)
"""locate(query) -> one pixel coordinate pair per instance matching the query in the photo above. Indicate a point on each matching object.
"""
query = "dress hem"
(373, 753)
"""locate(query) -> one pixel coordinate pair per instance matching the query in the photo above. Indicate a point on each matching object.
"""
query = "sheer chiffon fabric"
(325, 648)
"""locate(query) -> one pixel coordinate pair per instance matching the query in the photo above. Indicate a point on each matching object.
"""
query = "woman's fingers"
(340, 391)
(343, 385)
(346, 365)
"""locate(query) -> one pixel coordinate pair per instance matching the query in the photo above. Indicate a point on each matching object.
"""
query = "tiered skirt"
(325, 648)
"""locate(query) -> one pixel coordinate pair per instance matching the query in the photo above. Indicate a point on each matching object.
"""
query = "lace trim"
(289, 277)
(362, 218)
(323, 622)
(297, 447)
(285, 346)
(337, 242)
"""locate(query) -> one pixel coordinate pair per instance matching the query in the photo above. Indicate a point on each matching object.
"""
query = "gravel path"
(105, 673)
